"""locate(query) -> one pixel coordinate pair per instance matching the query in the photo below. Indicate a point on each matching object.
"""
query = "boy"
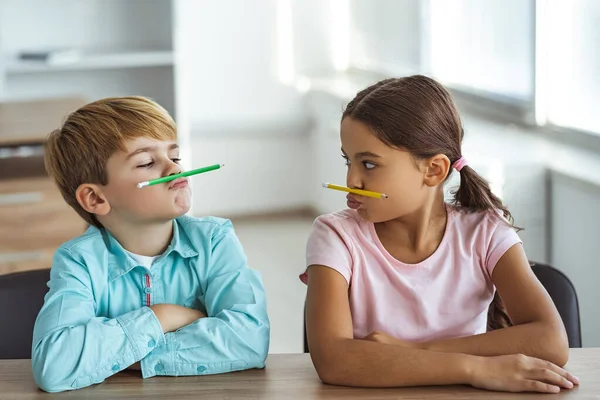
(145, 283)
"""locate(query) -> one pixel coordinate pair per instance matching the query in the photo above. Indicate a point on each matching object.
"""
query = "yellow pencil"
(359, 192)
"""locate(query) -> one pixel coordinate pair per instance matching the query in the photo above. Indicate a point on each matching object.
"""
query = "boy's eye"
(369, 165)
(148, 165)
(176, 160)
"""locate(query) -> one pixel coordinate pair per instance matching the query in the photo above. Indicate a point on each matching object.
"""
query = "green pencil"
(181, 175)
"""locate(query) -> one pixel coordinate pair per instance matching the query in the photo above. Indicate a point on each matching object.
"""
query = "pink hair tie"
(460, 163)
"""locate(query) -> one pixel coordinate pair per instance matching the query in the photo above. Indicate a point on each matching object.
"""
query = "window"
(532, 57)
(484, 47)
(570, 63)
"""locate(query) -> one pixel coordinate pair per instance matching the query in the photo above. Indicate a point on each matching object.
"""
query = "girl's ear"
(436, 170)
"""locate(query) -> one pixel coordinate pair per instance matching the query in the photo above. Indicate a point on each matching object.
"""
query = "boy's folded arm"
(72, 348)
(234, 335)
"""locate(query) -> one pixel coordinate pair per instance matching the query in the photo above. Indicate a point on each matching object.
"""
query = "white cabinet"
(98, 48)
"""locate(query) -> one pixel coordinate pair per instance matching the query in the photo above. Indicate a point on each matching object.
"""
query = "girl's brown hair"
(417, 114)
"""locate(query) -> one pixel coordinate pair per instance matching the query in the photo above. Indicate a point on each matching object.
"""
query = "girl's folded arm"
(538, 330)
(342, 360)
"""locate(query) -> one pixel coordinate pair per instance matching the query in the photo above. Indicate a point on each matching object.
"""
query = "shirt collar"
(120, 262)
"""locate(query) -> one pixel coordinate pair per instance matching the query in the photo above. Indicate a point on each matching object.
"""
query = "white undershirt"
(144, 261)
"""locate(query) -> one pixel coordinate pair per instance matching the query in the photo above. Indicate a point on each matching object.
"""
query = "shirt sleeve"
(502, 238)
(235, 335)
(327, 247)
(72, 348)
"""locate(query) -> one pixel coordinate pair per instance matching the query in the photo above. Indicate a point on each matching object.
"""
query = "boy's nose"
(173, 169)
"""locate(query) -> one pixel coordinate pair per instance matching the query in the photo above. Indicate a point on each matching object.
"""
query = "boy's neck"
(144, 240)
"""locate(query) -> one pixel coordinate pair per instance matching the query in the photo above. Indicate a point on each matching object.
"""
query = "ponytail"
(474, 194)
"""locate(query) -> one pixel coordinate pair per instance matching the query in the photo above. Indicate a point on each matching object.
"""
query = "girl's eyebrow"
(363, 154)
(367, 154)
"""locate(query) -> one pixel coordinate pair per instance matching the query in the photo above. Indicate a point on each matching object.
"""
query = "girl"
(399, 288)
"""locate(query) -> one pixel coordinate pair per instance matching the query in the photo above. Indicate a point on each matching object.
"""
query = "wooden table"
(289, 376)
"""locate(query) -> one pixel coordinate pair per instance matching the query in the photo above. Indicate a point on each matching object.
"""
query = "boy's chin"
(165, 216)
(181, 211)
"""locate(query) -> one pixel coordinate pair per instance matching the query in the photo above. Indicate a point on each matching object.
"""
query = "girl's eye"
(346, 160)
(151, 163)
(369, 165)
(176, 160)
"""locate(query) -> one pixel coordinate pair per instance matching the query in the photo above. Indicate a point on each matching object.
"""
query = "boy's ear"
(436, 170)
(91, 199)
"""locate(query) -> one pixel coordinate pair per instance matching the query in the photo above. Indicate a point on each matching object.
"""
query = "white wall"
(232, 65)
(237, 108)
(575, 222)
(261, 175)
(386, 33)
(313, 44)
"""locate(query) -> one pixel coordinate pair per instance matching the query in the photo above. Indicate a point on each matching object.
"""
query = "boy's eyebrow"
(147, 149)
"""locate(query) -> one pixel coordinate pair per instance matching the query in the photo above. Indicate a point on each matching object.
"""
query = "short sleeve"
(502, 238)
(326, 246)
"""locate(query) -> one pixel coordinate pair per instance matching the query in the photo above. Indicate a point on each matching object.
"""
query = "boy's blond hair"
(77, 153)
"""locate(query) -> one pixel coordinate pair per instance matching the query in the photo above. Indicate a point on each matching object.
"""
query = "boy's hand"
(173, 316)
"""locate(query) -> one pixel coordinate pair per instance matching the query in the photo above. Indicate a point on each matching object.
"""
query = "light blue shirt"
(96, 321)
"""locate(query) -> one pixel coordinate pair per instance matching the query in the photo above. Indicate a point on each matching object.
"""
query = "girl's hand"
(382, 337)
(520, 373)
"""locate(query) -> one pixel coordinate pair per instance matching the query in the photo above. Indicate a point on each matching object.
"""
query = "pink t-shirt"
(445, 296)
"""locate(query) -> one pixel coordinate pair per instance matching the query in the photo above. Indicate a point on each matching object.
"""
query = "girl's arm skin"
(342, 360)
(538, 331)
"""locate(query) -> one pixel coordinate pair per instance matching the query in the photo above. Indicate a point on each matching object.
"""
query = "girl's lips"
(352, 202)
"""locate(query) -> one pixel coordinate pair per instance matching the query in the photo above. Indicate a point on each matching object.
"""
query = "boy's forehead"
(134, 144)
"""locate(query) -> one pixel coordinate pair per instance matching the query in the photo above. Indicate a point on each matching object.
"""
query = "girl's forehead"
(358, 137)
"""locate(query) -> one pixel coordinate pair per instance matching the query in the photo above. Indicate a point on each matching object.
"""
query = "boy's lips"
(179, 183)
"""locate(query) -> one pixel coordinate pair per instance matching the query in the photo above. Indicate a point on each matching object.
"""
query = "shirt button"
(116, 368)
(201, 369)
(159, 367)
(148, 290)
(151, 343)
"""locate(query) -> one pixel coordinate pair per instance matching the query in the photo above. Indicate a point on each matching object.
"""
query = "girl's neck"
(414, 237)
